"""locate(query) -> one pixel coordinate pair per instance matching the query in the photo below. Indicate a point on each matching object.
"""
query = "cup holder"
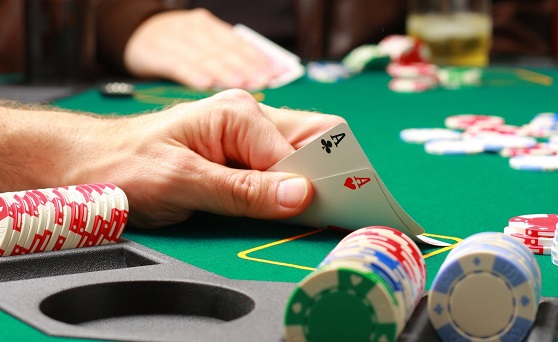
(170, 303)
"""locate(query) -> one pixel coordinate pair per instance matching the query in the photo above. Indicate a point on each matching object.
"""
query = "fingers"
(230, 126)
(300, 127)
(256, 194)
(197, 49)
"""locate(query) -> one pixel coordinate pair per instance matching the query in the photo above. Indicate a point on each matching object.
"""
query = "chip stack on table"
(535, 231)
(532, 147)
(366, 289)
(487, 289)
(409, 65)
(327, 72)
(43, 220)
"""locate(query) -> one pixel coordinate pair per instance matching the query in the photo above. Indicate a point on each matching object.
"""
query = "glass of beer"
(458, 32)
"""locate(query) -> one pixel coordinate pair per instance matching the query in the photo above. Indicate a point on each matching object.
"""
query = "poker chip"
(117, 89)
(404, 49)
(422, 135)
(483, 130)
(485, 290)
(366, 288)
(412, 70)
(534, 163)
(365, 57)
(412, 85)
(498, 142)
(458, 77)
(539, 149)
(534, 225)
(543, 125)
(464, 121)
(327, 72)
(35, 221)
(454, 147)
(529, 240)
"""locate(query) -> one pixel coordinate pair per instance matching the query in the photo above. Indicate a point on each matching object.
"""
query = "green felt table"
(453, 196)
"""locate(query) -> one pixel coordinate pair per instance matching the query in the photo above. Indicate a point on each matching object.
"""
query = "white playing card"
(334, 152)
(286, 63)
(327, 159)
(351, 201)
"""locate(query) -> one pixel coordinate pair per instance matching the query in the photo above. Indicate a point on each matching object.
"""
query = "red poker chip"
(412, 70)
(412, 85)
(6, 222)
(464, 121)
(484, 130)
(418, 53)
(536, 225)
(397, 250)
(540, 149)
(541, 250)
(529, 240)
(392, 233)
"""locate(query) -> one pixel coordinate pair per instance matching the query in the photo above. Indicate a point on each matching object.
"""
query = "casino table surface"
(451, 197)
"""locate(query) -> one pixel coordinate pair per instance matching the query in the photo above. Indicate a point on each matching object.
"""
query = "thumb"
(257, 194)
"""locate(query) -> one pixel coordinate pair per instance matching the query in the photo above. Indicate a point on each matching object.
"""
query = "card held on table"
(348, 193)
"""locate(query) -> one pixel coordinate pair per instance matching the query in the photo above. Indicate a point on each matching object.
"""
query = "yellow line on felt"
(244, 254)
(534, 77)
(441, 250)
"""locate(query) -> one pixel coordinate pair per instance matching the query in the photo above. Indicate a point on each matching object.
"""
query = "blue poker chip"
(483, 293)
(507, 245)
(498, 142)
(327, 72)
(535, 163)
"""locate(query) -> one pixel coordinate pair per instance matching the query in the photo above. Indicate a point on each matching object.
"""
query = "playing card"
(334, 152)
(286, 64)
(351, 201)
(325, 161)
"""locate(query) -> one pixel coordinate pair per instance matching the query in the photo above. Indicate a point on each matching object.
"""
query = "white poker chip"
(412, 70)
(422, 135)
(535, 163)
(454, 147)
(497, 142)
(412, 85)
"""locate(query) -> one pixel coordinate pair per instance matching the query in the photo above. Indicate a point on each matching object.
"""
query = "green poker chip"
(343, 301)
(366, 57)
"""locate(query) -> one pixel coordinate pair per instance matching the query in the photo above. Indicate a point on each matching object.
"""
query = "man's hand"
(197, 49)
(169, 163)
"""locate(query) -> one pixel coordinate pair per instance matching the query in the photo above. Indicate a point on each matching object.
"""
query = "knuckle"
(201, 13)
(247, 192)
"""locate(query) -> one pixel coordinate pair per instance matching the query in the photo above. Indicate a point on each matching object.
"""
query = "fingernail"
(292, 192)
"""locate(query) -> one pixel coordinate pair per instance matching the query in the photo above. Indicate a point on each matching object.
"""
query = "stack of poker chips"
(487, 289)
(34, 221)
(366, 289)
(409, 67)
(535, 231)
(532, 147)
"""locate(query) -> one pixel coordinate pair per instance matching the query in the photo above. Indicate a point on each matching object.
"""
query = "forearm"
(42, 148)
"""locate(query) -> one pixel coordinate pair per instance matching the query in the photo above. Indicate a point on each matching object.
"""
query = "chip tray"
(128, 292)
